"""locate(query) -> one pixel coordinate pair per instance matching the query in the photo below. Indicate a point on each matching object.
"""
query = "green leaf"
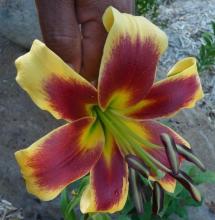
(67, 205)
(147, 212)
(202, 177)
(212, 51)
(213, 26)
(202, 51)
(64, 201)
(208, 38)
(123, 217)
(128, 206)
(206, 57)
(99, 216)
(182, 212)
(169, 198)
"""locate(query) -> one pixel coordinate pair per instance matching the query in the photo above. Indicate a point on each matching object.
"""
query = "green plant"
(206, 57)
(150, 9)
(147, 7)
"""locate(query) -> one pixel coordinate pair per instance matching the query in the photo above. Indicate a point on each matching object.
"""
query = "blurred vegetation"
(150, 9)
(147, 6)
(206, 56)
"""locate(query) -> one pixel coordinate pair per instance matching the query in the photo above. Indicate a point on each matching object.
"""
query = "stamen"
(171, 152)
(138, 165)
(188, 155)
(158, 198)
(146, 193)
(186, 181)
(135, 188)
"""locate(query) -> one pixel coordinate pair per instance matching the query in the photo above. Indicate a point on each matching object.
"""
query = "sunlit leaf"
(100, 217)
(202, 177)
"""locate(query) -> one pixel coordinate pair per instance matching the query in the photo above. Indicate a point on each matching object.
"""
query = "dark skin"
(73, 29)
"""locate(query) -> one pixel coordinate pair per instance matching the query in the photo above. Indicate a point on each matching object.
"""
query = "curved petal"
(168, 183)
(150, 131)
(181, 89)
(53, 85)
(61, 157)
(130, 56)
(108, 188)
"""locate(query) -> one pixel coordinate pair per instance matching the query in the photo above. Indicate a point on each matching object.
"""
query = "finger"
(60, 29)
(89, 15)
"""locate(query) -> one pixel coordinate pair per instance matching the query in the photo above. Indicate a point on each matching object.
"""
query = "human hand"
(73, 29)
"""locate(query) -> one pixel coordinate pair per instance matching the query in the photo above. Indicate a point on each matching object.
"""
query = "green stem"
(124, 128)
(112, 128)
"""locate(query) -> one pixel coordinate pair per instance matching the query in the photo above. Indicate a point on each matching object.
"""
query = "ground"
(23, 123)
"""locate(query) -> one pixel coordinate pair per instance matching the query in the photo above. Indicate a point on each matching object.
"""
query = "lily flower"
(107, 123)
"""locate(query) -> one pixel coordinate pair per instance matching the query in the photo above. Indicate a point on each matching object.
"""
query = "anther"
(158, 198)
(171, 152)
(137, 164)
(188, 155)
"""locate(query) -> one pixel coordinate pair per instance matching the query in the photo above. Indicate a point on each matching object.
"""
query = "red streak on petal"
(69, 98)
(60, 160)
(168, 179)
(108, 180)
(169, 97)
(131, 67)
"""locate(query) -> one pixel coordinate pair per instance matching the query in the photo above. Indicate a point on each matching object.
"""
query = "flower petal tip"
(108, 17)
(142, 39)
(108, 187)
(53, 85)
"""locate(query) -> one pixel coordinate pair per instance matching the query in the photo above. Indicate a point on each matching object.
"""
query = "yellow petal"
(129, 61)
(53, 85)
(181, 89)
(61, 157)
(108, 188)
